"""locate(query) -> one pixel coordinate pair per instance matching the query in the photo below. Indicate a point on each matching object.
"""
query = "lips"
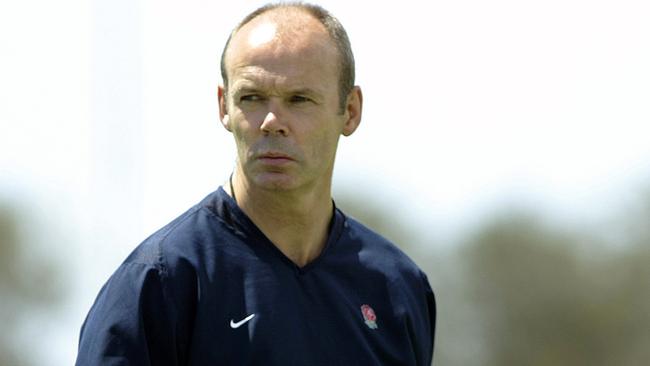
(274, 158)
(274, 155)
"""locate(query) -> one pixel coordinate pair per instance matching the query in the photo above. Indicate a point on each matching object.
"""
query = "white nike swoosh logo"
(238, 324)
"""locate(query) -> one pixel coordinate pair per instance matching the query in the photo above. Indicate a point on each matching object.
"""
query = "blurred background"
(504, 146)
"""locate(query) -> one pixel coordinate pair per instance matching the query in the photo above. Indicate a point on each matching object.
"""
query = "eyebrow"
(243, 90)
(236, 91)
(306, 91)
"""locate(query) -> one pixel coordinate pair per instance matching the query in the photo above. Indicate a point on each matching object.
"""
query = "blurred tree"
(542, 301)
(10, 288)
(26, 285)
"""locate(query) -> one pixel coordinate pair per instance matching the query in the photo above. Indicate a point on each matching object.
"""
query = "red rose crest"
(369, 316)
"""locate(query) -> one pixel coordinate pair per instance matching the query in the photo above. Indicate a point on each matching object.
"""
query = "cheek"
(243, 139)
(242, 129)
(324, 145)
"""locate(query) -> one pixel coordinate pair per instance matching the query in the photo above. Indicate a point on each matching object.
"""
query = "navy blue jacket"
(210, 289)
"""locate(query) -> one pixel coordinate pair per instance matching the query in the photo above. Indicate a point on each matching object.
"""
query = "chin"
(275, 181)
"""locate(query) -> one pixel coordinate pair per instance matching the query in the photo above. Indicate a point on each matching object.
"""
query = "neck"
(295, 221)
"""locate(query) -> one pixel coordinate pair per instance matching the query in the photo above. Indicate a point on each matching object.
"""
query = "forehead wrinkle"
(257, 78)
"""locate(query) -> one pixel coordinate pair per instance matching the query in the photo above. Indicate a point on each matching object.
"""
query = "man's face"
(282, 103)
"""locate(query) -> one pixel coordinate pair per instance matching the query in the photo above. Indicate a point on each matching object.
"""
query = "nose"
(274, 123)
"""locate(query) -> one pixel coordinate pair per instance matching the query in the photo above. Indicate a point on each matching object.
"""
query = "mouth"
(274, 158)
(274, 155)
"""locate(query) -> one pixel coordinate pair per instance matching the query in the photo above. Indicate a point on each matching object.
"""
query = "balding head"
(288, 22)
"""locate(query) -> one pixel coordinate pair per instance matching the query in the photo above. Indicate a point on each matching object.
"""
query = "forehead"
(283, 46)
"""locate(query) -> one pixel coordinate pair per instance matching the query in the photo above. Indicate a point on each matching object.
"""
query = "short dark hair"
(335, 30)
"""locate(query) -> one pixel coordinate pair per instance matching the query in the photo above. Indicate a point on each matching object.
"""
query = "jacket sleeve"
(132, 322)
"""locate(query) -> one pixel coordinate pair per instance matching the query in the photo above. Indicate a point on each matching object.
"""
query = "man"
(266, 270)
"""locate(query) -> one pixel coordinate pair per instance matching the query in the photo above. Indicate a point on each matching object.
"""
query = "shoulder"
(163, 270)
(378, 253)
(184, 240)
(147, 304)
(166, 260)
(407, 286)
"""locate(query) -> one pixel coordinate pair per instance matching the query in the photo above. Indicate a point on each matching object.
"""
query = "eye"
(298, 99)
(250, 98)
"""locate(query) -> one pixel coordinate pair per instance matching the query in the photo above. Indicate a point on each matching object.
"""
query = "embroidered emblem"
(369, 316)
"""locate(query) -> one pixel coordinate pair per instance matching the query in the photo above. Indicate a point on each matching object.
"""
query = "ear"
(353, 110)
(223, 110)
